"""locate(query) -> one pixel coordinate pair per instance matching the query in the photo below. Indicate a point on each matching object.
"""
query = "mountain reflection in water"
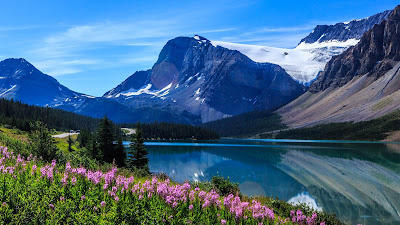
(359, 182)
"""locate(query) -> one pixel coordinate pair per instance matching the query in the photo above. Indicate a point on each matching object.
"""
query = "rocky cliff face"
(360, 84)
(196, 79)
(346, 30)
(373, 56)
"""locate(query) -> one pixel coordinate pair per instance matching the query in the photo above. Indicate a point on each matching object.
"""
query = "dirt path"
(64, 135)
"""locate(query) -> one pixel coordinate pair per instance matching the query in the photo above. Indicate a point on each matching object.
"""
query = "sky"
(92, 46)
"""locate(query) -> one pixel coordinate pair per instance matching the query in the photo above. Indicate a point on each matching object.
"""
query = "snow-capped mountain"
(201, 82)
(309, 58)
(21, 81)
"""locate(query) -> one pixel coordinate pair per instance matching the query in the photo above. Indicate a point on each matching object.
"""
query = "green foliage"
(120, 154)
(105, 140)
(246, 124)
(42, 141)
(138, 155)
(70, 142)
(224, 186)
(373, 130)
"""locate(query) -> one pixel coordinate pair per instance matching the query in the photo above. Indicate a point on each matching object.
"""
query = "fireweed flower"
(83, 197)
(103, 203)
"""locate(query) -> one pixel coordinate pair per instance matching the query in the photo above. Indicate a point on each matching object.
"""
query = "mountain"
(344, 31)
(309, 58)
(360, 84)
(196, 80)
(22, 81)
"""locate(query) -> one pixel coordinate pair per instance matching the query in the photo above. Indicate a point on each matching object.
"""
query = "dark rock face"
(193, 78)
(375, 54)
(345, 31)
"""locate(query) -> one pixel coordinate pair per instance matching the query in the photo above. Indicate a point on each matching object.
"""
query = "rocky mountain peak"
(345, 30)
(16, 67)
(375, 54)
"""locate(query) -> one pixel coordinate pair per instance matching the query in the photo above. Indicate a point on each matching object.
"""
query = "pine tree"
(105, 140)
(94, 150)
(42, 141)
(138, 157)
(120, 154)
(69, 143)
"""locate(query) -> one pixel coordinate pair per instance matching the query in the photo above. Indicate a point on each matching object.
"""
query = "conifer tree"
(42, 141)
(105, 140)
(69, 143)
(138, 151)
(120, 154)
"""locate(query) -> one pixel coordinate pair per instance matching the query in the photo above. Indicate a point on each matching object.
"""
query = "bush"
(224, 186)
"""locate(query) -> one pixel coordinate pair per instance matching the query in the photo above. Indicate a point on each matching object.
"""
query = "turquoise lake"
(358, 181)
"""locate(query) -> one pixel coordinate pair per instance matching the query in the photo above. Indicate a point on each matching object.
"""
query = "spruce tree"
(120, 154)
(105, 140)
(94, 150)
(42, 141)
(138, 151)
(69, 143)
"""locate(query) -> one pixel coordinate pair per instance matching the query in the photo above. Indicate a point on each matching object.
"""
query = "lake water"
(358, 181)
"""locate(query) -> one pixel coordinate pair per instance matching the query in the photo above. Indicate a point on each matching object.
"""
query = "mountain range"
(196, 80)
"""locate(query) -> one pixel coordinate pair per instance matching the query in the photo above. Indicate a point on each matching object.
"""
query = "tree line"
(164, 130)
(24, 116)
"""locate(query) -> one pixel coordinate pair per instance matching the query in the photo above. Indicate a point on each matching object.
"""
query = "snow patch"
(146, 90)
(8, 90)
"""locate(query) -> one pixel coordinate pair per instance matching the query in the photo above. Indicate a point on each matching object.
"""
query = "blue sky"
(92, 46)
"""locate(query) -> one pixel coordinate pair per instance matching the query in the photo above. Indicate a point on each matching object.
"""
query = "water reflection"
(360, 182)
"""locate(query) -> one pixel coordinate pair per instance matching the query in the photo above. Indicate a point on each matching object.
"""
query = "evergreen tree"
(69, 143)
(94, 150)
(42, 141)
(138, 157)
(120, 154)
(105, 140)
